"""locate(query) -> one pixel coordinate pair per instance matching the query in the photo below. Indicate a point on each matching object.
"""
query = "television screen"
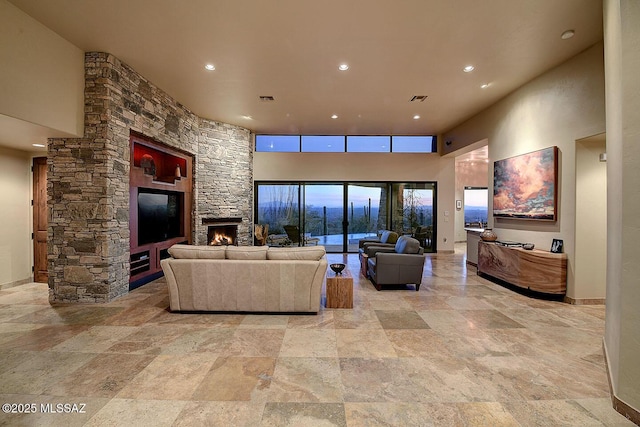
(158, 216)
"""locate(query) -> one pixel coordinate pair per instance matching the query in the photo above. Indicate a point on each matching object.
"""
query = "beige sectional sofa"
(245, 278)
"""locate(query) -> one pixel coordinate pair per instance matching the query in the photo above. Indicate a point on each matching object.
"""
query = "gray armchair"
(386, 238)
(400, 265)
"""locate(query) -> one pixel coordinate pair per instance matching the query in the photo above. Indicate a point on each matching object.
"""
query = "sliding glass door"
(366, 210)
(338, 215)
(324, 215)
(277, 206)
(412, 211)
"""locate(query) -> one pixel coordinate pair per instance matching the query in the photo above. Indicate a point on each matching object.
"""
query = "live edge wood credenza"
(535, 270)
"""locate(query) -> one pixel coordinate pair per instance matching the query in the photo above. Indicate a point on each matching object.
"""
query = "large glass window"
(367, 211)
(277, 206)
(354, 143)
(337, 215)
(278, 143)
(368, 144)
(476, 200)
(322, 144)
(413, 144)
(412, 211)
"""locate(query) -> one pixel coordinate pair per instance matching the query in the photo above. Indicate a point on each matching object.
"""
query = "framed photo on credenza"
(557, 246)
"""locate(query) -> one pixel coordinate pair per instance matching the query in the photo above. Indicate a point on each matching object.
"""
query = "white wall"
(16, 250)
(373, 167)
(557, 108)
(42, 75)
(591, 220)
(622, 326)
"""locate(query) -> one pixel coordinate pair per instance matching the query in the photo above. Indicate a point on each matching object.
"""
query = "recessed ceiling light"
(343, 67)
(567, 34)
(416, 117)
(468, 68)
(335, 116)
(485, 85)
(38, 145)
(210, 67)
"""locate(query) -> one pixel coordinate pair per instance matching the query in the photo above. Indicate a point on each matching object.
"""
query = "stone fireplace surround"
(88, 179)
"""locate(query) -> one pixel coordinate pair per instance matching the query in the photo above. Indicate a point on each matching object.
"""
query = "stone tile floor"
(460, 352)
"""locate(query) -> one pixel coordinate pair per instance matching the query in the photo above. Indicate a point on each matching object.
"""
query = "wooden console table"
(339, 289)
(535, 270)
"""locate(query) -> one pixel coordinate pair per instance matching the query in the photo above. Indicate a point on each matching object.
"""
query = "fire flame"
(221, 239)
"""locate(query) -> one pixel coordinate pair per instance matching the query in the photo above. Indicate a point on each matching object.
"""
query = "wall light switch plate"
(446, 213)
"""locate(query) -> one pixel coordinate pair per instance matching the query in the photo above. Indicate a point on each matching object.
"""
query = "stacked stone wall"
(224, 178)
(88, 178)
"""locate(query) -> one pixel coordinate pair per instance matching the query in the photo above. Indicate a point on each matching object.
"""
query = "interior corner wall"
(44, 73)
(16, 249)
(88, 179)
(622, 62)
(557, 108)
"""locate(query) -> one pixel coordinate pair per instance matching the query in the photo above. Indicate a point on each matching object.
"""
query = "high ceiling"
(291, 50)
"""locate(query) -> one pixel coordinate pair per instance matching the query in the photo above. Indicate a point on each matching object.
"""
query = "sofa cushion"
(389, 237)
(310, 253)
(407, 245)
(197, 252)
(246, 252)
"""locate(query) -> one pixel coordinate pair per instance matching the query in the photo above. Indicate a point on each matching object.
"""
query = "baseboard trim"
(584, 301)
(16, 283)
(620, 406)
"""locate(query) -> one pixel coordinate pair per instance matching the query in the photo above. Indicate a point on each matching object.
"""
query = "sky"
(331, 196)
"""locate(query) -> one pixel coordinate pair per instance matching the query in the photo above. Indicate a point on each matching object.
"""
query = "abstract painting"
(525, 186)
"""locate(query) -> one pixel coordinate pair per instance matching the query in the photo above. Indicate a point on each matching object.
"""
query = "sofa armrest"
(365, 241)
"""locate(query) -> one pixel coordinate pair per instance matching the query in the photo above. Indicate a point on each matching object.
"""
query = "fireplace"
(222, 231)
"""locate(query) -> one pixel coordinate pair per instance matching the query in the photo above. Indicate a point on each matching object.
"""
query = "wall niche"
(161, 202)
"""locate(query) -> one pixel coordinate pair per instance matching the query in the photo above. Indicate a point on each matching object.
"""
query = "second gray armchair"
(400, 265)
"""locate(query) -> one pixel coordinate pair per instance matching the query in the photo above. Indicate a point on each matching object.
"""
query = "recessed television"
(525, 186)
(159, 216)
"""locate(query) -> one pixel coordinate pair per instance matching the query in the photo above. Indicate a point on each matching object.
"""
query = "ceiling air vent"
(418, 98)
(266, 98)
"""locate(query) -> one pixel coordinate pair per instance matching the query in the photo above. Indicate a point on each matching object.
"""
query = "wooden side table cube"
(339, 289)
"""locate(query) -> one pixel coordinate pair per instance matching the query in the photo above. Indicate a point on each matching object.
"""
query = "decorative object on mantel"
(528, 246)
(337, 268)
(178, 173)
(488, 235)
(148, 165)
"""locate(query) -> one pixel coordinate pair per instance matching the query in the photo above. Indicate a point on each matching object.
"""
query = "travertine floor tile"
(102, 376)
(169, 377)
(303, 379)
(309, 343)
(401, 414)
(364, 343)
(241, 376)
(303, 414)
(237, 414)
(130, 412)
